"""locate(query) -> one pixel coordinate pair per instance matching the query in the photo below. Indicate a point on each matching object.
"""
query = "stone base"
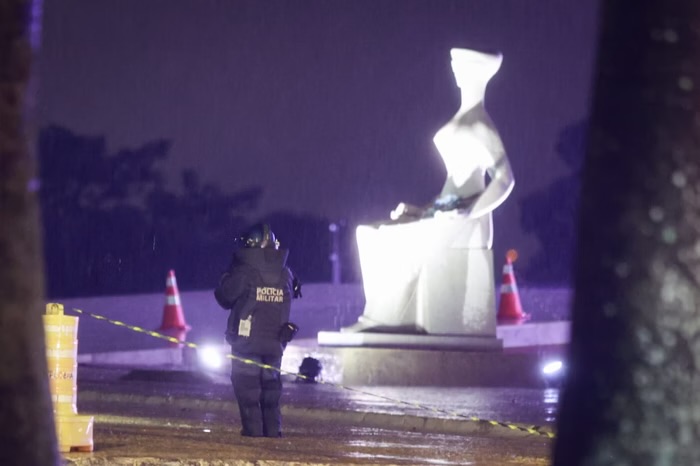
(410, 341)
(355, 366)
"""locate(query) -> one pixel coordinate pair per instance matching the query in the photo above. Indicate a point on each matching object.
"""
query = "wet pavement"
(172, 416)
(158, 437)
(531, 407)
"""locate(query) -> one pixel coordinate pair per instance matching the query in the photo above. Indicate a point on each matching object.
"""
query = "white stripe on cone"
(63, 398)
(173, 300)
(59, 328)
(54, 353)
(509, 288)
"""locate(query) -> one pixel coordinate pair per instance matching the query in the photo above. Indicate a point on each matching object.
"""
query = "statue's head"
(472, 67)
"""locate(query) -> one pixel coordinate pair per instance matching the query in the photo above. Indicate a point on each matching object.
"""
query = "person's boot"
(251, 419)
(272, 420)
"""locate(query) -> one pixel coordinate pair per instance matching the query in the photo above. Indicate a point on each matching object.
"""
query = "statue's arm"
(500, 184)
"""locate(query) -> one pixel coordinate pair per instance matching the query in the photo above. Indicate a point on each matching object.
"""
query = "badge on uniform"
(244, 326)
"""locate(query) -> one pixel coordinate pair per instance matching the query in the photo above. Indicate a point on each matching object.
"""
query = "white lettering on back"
(268, 294)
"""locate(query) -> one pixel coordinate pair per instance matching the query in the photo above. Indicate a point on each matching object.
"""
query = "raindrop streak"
(685, 83)
(671, 36)
(678, 179)
(656, 214)
(668, 235)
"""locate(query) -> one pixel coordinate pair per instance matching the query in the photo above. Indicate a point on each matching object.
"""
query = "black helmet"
(260, 236)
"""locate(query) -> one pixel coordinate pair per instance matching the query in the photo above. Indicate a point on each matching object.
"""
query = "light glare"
(210, 357)
(552, 367)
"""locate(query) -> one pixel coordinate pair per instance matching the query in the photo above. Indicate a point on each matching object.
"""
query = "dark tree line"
(111, 227)
(552, 213)
(310, 243)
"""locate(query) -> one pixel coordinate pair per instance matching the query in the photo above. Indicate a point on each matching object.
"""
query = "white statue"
(430, 270)
(470, 148)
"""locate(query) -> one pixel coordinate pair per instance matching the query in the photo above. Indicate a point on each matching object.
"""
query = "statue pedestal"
(410, 341)
(421, 367)
(426, 285)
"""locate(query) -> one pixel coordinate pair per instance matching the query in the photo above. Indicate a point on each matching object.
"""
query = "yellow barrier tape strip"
(535, 430)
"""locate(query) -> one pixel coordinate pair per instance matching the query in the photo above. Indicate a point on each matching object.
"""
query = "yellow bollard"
(74, 432)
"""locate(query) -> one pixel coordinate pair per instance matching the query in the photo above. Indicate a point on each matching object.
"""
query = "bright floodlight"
(552, 367)
(210, 357)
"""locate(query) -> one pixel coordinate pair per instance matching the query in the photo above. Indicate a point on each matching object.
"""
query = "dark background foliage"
(552, 213)
(110, 227)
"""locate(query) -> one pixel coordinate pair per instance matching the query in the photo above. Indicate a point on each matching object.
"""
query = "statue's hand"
(406, 212)
(449, 205)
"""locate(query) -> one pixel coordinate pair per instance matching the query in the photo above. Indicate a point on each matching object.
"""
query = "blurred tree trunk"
(633, 393)
(27, 436)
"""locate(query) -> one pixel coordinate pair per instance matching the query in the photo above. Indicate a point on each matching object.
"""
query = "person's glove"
(287, 332)
(296, 287)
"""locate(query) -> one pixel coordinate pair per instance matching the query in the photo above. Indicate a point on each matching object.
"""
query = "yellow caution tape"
(535, 430)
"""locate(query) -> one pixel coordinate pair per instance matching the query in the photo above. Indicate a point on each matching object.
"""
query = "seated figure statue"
(430, 269)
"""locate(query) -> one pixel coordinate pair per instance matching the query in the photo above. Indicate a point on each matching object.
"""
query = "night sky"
(330, 106)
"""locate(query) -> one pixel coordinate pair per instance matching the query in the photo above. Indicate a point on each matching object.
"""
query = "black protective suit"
(258, 289)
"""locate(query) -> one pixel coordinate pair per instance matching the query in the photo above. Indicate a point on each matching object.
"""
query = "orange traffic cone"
(173, 317)
(510, 310)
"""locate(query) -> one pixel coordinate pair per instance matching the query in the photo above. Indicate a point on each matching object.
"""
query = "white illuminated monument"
(429, 271)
